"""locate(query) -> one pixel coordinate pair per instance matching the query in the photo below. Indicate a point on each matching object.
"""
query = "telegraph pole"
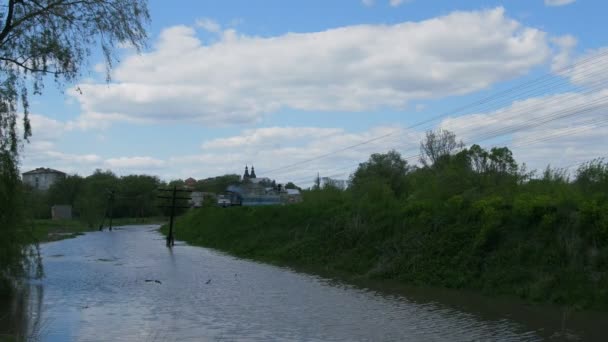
(170, 239)
(173, 198)
(111, 207)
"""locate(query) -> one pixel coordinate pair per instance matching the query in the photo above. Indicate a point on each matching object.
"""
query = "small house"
(42, 178)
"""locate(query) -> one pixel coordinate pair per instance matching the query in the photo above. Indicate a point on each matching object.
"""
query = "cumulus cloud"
(43, 150)
(43, 154)
(45, 128)
(588, 70)
(270, 136)
(269, 149)
(558, 2)
(134, 163)
(238, 79)
(562, 58)
(208, 25)
(556, 129)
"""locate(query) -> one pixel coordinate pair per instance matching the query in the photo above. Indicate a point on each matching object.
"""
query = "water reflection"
(21, 316)
(125, 285)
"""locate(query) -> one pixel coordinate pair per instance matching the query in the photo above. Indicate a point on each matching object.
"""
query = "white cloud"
(562, 58)
(396, 3)
(208, 25)
(44, 154)
(45, 128)
(589, 70)
(239, 78)
(270, 136)
(134, 163)
(556, 129)
(368, 2)
(270, 148)
(558, 2)
(42, 150)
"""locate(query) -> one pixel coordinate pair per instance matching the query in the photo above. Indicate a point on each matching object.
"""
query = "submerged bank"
(540, 249)
(45, 230)
(103, 279)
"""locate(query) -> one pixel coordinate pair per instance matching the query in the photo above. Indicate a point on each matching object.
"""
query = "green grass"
(52, 230)
(537, 249)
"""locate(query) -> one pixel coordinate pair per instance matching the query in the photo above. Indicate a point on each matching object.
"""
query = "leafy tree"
(438, 144)
(502, 161)
(388, 168)
(291, 185)
(593, 176)
(496, 169)
(55, 38)
(317, 184)
(36, 203)
(66, 190)
(92, 202)
(12, 247)
(217, 184)
(41, 39)
(136, 196)
(337, 184)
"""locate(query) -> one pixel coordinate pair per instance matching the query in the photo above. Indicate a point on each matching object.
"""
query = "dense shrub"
(473, 219)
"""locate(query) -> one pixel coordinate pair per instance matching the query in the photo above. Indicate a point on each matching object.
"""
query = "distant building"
(262, 181)
(61, 212)
(42, 178)
(254, 191)
(196, 199)
(190, 182)
(293, 195)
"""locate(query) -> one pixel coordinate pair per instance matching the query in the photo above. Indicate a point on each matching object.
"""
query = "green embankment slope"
(538, 247)
(44, 230)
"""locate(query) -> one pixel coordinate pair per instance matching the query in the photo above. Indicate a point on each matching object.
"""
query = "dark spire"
(252, 172)
(246, 175)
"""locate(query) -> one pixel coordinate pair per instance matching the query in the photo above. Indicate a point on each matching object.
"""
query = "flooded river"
(126, 285)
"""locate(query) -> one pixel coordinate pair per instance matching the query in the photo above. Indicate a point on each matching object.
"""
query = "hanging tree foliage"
(43, 40)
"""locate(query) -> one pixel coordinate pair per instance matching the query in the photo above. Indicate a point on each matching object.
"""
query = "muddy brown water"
(125, 285)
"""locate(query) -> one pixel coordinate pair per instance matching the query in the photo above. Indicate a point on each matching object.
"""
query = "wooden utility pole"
(111, 207)
(170, 239)
(173, 198)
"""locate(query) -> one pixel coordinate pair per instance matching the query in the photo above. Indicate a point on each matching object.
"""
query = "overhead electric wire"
(535, 123)
(554, 74)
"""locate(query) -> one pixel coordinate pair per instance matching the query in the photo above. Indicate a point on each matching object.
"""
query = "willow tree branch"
(8, 25)
(30, 69)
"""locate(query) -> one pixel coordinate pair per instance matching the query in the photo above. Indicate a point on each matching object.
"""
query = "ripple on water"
(99, 289)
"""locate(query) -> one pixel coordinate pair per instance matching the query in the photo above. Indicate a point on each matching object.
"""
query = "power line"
(497, 133)
(535, 123)
(483, 100)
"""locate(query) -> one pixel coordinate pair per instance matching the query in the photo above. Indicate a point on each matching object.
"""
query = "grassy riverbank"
(541, 243)
(52, 230)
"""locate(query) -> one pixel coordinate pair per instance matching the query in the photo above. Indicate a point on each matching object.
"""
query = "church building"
(247, 175)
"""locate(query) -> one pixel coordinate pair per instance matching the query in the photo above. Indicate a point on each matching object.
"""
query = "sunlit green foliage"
(217, 184)
(135, 196)
(40, 42)
(471, 218)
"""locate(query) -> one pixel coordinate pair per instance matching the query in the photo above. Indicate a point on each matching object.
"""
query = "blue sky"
(276, 83)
